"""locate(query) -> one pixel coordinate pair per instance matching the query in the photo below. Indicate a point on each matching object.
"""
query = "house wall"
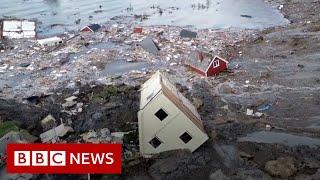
(169, 130)
(86, 29)
(215, 71)
(18, 29)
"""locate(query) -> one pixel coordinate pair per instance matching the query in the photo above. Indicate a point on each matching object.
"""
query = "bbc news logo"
(64, 158)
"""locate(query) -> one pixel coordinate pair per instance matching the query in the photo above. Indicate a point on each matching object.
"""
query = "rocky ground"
(275, 73)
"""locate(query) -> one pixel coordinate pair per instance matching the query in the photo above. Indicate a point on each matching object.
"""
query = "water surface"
(57, 16)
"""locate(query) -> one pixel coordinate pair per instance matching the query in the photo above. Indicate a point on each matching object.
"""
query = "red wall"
(215, 71)
(86, 29)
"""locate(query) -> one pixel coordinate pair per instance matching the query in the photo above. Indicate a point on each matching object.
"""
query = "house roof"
(201, 60)
(92, 27)
(160, 83)
(49, 40)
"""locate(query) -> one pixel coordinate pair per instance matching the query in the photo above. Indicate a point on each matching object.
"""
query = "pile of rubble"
(29, 68)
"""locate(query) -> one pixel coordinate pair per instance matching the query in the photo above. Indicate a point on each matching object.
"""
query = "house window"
(185, 137)
(155, 142)
(216, 63)
(161, 114)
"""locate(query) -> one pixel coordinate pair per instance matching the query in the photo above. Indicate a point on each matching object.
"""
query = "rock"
(97, 116)
(197, 102)
(218, 175)
(24, 64)
(282, 167)
(48, 122)
(246, 16)
(69, 104)
(71, 98)
(188, 34)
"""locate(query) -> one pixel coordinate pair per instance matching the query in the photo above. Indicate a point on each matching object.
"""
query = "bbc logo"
(64, 158)
(39, 158)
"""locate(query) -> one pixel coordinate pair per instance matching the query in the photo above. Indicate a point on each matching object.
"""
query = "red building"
(91, 28)
(206, 64)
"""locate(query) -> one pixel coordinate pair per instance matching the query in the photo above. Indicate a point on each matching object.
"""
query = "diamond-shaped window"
(161, 114)
(185, 137)
(155, 142)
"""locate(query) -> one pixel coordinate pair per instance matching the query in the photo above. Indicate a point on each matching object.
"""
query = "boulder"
(282, 167)
(197, 102)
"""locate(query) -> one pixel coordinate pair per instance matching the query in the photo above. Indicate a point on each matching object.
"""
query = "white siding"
(168, 130)
(150, 89)
(19, 29)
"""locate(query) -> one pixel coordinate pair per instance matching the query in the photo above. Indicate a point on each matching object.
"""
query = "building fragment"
(167, 120)
(206, 64)
(149, 45)
(17, 29)
(53, 134)
(52, 41)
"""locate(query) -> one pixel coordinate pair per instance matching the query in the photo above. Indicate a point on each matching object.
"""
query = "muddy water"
(57, 16)
(280, 138)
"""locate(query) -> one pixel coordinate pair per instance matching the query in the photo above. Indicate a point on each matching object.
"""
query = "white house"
(17, 29)
(167, 120)
(52, 41)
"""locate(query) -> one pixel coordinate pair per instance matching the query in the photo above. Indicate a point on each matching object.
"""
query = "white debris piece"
(54, 133)
(53, 41)
(71, 98)
(249, 112)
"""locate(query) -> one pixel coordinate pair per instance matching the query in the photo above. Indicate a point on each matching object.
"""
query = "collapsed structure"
(206, 64)
(52, 41)
(167, 120)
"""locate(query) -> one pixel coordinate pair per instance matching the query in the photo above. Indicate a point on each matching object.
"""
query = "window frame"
(161, 142)
(183, 140)
(216, 63)
(164, 112)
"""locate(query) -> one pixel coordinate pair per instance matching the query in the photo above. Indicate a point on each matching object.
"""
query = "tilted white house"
(167, 120)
